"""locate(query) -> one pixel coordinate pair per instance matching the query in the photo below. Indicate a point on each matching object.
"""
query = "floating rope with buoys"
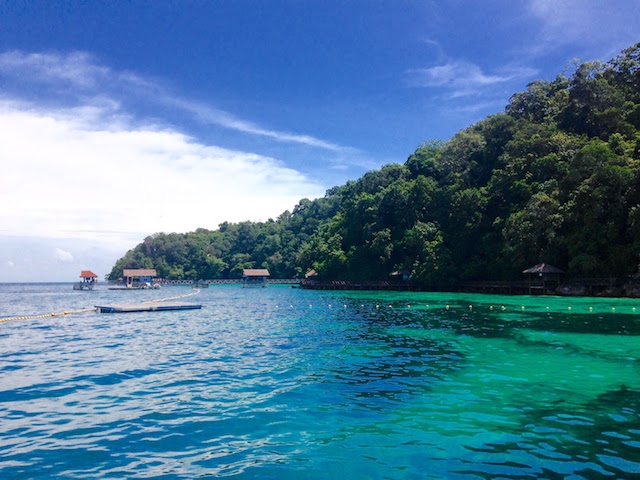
(174, 298)
(86, 310)
(47, 315)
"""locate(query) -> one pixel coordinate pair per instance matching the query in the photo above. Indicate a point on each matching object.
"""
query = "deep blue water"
(284, 383)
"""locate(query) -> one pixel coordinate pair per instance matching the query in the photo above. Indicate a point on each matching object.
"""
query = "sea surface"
(283, 383)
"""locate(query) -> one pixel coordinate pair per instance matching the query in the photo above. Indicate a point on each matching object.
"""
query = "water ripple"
(247, 389)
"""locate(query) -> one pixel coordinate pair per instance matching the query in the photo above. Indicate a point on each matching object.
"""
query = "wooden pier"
(147, 307)
(361, 285)
(128, 288)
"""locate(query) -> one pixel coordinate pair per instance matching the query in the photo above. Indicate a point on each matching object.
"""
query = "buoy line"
(48, 315)
(197, 290)
(86, 310)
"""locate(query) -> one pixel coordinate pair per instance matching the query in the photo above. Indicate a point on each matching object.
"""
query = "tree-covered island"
(554, 178)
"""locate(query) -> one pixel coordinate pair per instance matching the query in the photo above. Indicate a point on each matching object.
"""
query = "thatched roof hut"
(136, 276)
(139, 272)
(542, 268)
(255, 277)
(543, 278)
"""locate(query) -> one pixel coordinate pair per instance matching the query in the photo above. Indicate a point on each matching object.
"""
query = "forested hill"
(554, 178)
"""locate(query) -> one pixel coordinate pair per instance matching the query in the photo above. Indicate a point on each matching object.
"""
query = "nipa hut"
(543, 278)
(255, 277)
(134, 277)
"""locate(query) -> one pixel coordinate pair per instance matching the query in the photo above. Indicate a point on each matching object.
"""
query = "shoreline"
(629, 290)
(569, 289)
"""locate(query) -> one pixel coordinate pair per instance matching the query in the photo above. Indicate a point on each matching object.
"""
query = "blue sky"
(120, 119)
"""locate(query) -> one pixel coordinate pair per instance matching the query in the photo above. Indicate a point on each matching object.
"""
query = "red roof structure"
(87, 274)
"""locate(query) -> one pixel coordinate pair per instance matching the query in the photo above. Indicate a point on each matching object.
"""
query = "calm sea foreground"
(284, 383)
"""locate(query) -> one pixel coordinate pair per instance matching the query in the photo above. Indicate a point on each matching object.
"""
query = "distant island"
(554, 178)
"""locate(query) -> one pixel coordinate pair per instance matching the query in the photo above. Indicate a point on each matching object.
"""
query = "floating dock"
(147, 307)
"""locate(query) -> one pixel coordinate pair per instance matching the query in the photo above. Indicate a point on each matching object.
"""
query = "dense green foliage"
(554, 178)
(223, 253)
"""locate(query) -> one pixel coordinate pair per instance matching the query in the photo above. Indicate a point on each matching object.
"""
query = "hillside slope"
(554, 178)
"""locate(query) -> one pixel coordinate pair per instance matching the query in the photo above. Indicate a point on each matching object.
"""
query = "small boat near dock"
(147, 307)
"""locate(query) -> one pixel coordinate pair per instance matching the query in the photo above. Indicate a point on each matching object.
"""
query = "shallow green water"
(286, 383)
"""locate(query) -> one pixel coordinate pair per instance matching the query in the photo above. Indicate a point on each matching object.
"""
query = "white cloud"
(67, 175)
(80, 171)
(79, 166)
(63, 256)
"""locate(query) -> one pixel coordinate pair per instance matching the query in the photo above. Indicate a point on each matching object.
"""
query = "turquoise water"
(284, 383)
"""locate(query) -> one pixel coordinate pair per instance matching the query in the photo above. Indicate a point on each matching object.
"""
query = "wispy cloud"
(221, 118)
(478, 108)
(610, 26)
(75, 69)
(80, 73)
(459, 78)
